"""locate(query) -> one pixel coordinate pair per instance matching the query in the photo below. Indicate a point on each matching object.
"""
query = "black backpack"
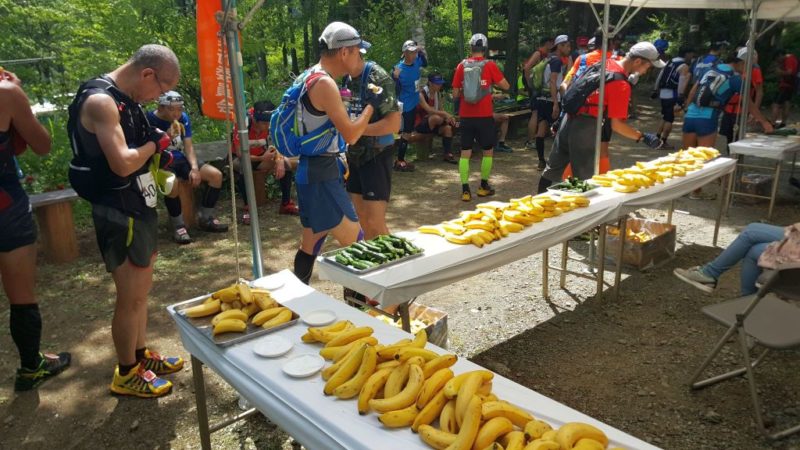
(669, 76)
(583, 87)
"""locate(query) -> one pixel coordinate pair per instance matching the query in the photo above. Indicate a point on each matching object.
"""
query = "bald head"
(159, 58)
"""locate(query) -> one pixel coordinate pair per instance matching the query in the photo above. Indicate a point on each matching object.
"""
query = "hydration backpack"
(714, 89)
(583, 87)
(669, 76)
(473, 75)
(582, 66)
(537, 74)
(286, 126)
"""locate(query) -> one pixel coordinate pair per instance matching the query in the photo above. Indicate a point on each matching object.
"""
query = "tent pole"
(748, 71)
(602, 89)
(235, 62)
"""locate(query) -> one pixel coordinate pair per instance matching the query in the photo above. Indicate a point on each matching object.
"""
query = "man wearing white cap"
(406, 74)
(574, 142)
(472, 85)
(547, 101)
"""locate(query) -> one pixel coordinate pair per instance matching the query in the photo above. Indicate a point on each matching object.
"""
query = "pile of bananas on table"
(495, 220)
(234, 305)
(646, 174)
(407, 385)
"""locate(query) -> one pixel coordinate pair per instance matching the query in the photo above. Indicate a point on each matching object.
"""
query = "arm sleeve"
(618, 94)
(379, 77)
(187, 124)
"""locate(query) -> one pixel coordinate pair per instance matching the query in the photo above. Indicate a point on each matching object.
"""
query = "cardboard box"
(755, 184)
(435, 321)
(656, 250)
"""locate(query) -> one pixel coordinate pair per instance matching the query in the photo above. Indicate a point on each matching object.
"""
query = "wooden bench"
(56, 225)
(422, 143)
(517, 118)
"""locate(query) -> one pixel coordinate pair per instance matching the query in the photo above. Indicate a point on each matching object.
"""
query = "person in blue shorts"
(406, 74)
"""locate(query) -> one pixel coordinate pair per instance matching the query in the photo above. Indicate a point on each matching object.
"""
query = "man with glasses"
(182, 160)
(112, 145)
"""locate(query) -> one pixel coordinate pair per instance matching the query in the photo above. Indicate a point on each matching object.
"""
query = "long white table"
(319, 422)
(444, 263)
(776, 148)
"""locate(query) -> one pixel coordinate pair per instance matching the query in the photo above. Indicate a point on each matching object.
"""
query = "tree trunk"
(696, 21)
(315, 32)
(512, 43)
(285, 54)
(306, 49)
(415, 11)
(480, 16)
(261, 62)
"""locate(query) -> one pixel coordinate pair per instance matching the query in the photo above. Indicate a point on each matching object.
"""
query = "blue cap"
(436, 79)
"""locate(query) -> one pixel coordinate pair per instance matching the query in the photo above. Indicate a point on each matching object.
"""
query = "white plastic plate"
(272, 346)
(268, 284)
(319, 317)
(302, 366)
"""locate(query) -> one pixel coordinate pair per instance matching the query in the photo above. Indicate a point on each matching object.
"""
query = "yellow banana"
(452, 386)
(479, 225)
(338, 326)
(447, 418)
(488, 397)
(572, 432)
(251, 309)
(491, 431)
(588, 444)
(236, 304)
(501, 232)
(397, 380)
(515, 414)
(268, 314)
(514, 440)
(245, 296)
(206, 309)
(281, 318)
(349, 367)
(466, 392)
(263, 299)
(511, 227)
(542, 444)
(437, 439)
(623, 188)
(348, 336)
(485, 388)
(326, 336)
(549, 435)
(404, 398)
(460, 240)
(352, 387)
(430, 412)
(230, 314)
(420, 339)
(438, 363)
(433, 385)
(432, 229)
(373, 384)
(453, 228)
(391, 364)
(470, 426)
(335, 354)
(227, 294)
(405, 353)
(535, 429)
(224, 306)
(399, 418)
(229, 326)
(328, 372)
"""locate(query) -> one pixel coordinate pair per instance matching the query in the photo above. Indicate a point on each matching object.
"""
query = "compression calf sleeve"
(26, 331)
(211, 197)
(286, 187)
(463, 170)
(486, 167)
(540, 148)
(401, 149)
(303, 266)
(173, 206)
(447, 144)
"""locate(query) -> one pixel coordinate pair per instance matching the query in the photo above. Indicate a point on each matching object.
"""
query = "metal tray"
(329, 257)
(224, 340)
(591, 192)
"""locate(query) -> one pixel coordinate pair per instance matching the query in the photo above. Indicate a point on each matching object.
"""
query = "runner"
(182, 160)
(548, 101)
(539, 54)
(21, 130)
(787, 78)
(732, 110)
(112, 146)
(431, 118)
(670, 87)
(473, 80)
(406, 74)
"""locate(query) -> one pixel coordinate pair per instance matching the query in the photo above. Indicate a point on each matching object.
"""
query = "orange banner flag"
(213, 62)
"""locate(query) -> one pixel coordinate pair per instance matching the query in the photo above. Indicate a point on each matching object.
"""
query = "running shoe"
(542, 165)
(530, 145)
(697, 278)
(403, 166)
(140, 383)
(289, 208)
(212, 225)
(449, 158)
(49, 366)
(466, 196)
(503, 148)
(181, 236)
(161, 365)
(485, 191)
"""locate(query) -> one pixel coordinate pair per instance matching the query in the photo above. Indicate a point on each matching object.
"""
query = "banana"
(447, 418)
(453, 228)
(399, 418)
(206, 309)
(224, 306)
(229, 326)
(588, 444)
(514, 440)
(352, 387)
(432, 229)
(251, 309)
(338, 326)
(535, 429)
(430, 412)
(397, 380)
(623, 188)
(230, 314)
(245, 296)
(388, 352)
(405, 353)
(542, 444)
(391, 364)
(488, 397)
(491, 431)
(328, 372)
(227, 294)
(470, 426)
(335, 354)
(404, 398)
(460, 240)
(549, 435)
(347, 336)
(263, 299)
(415, 361)
(511, 227)
(370, 389)
(479, 225)
(438, 363)
(485, 389)
(437, 439)
(452, 386)
(268, 314)
(326, 336)
(515, 414)
(433, 385)
(236, 304)
(346, 370)
(465, 394)
(572, 432)
(281, 318)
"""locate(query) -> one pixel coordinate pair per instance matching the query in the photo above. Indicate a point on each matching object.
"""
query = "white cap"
(741, 54)
(560, 39)
(170, 98)
(340, 35)
(410, 46)
(478, 40)
(647, 51)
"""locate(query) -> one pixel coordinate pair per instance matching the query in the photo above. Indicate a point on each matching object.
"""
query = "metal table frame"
(775, 182)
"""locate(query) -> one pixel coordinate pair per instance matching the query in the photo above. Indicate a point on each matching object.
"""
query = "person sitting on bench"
(430, 118)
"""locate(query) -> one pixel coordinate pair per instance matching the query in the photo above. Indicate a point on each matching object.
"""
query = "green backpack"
(537, 75)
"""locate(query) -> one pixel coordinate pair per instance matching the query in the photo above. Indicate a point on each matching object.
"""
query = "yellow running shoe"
(466, 196)
(485, 191)
(140, 383)
(161, 365)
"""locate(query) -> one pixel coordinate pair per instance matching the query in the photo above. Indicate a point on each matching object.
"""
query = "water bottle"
(20, 174)
(347, 99)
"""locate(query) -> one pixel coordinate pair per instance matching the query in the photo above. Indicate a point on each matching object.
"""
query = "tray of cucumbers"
(574, 185)
(366, 256)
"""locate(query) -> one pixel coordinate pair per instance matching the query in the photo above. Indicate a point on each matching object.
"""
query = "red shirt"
(618, 94)
(252, 135)
(489, 76)
(789, 63)
(733, 105)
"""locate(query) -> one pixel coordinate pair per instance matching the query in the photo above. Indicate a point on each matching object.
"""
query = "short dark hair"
(684, 50)
(545, 40)
(478, 49)
(598, 35)
(156, 57)
(263, 105)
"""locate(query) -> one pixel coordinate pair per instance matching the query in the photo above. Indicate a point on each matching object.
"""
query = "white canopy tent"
(774, 10)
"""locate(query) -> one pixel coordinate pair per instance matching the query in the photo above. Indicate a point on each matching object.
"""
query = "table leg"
(200, 399)
(545, 274)
(723, 200)
(774, 194)
(402, 309)
(623, 231)
(670, 211)
(564, 254)
(601, 263)
(729, 191)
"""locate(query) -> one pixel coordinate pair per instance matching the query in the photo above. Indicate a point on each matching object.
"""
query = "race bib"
(147, 186)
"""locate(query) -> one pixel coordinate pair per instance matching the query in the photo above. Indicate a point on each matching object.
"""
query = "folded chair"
(765, 317)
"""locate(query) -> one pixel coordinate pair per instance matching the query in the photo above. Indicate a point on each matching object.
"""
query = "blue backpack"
(714, 89)
(286, 126)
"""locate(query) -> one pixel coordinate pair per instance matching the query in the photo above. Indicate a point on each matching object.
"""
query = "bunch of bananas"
(630, 235)
(419, 389)
(234, 305)
(495, 220)
(646, 174)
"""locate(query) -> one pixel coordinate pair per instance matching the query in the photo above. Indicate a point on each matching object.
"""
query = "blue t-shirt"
(731, 86)
(407, 82)
(702, 65)
(158, 122)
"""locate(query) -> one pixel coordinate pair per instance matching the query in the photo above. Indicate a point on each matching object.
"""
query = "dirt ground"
(626, 362)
